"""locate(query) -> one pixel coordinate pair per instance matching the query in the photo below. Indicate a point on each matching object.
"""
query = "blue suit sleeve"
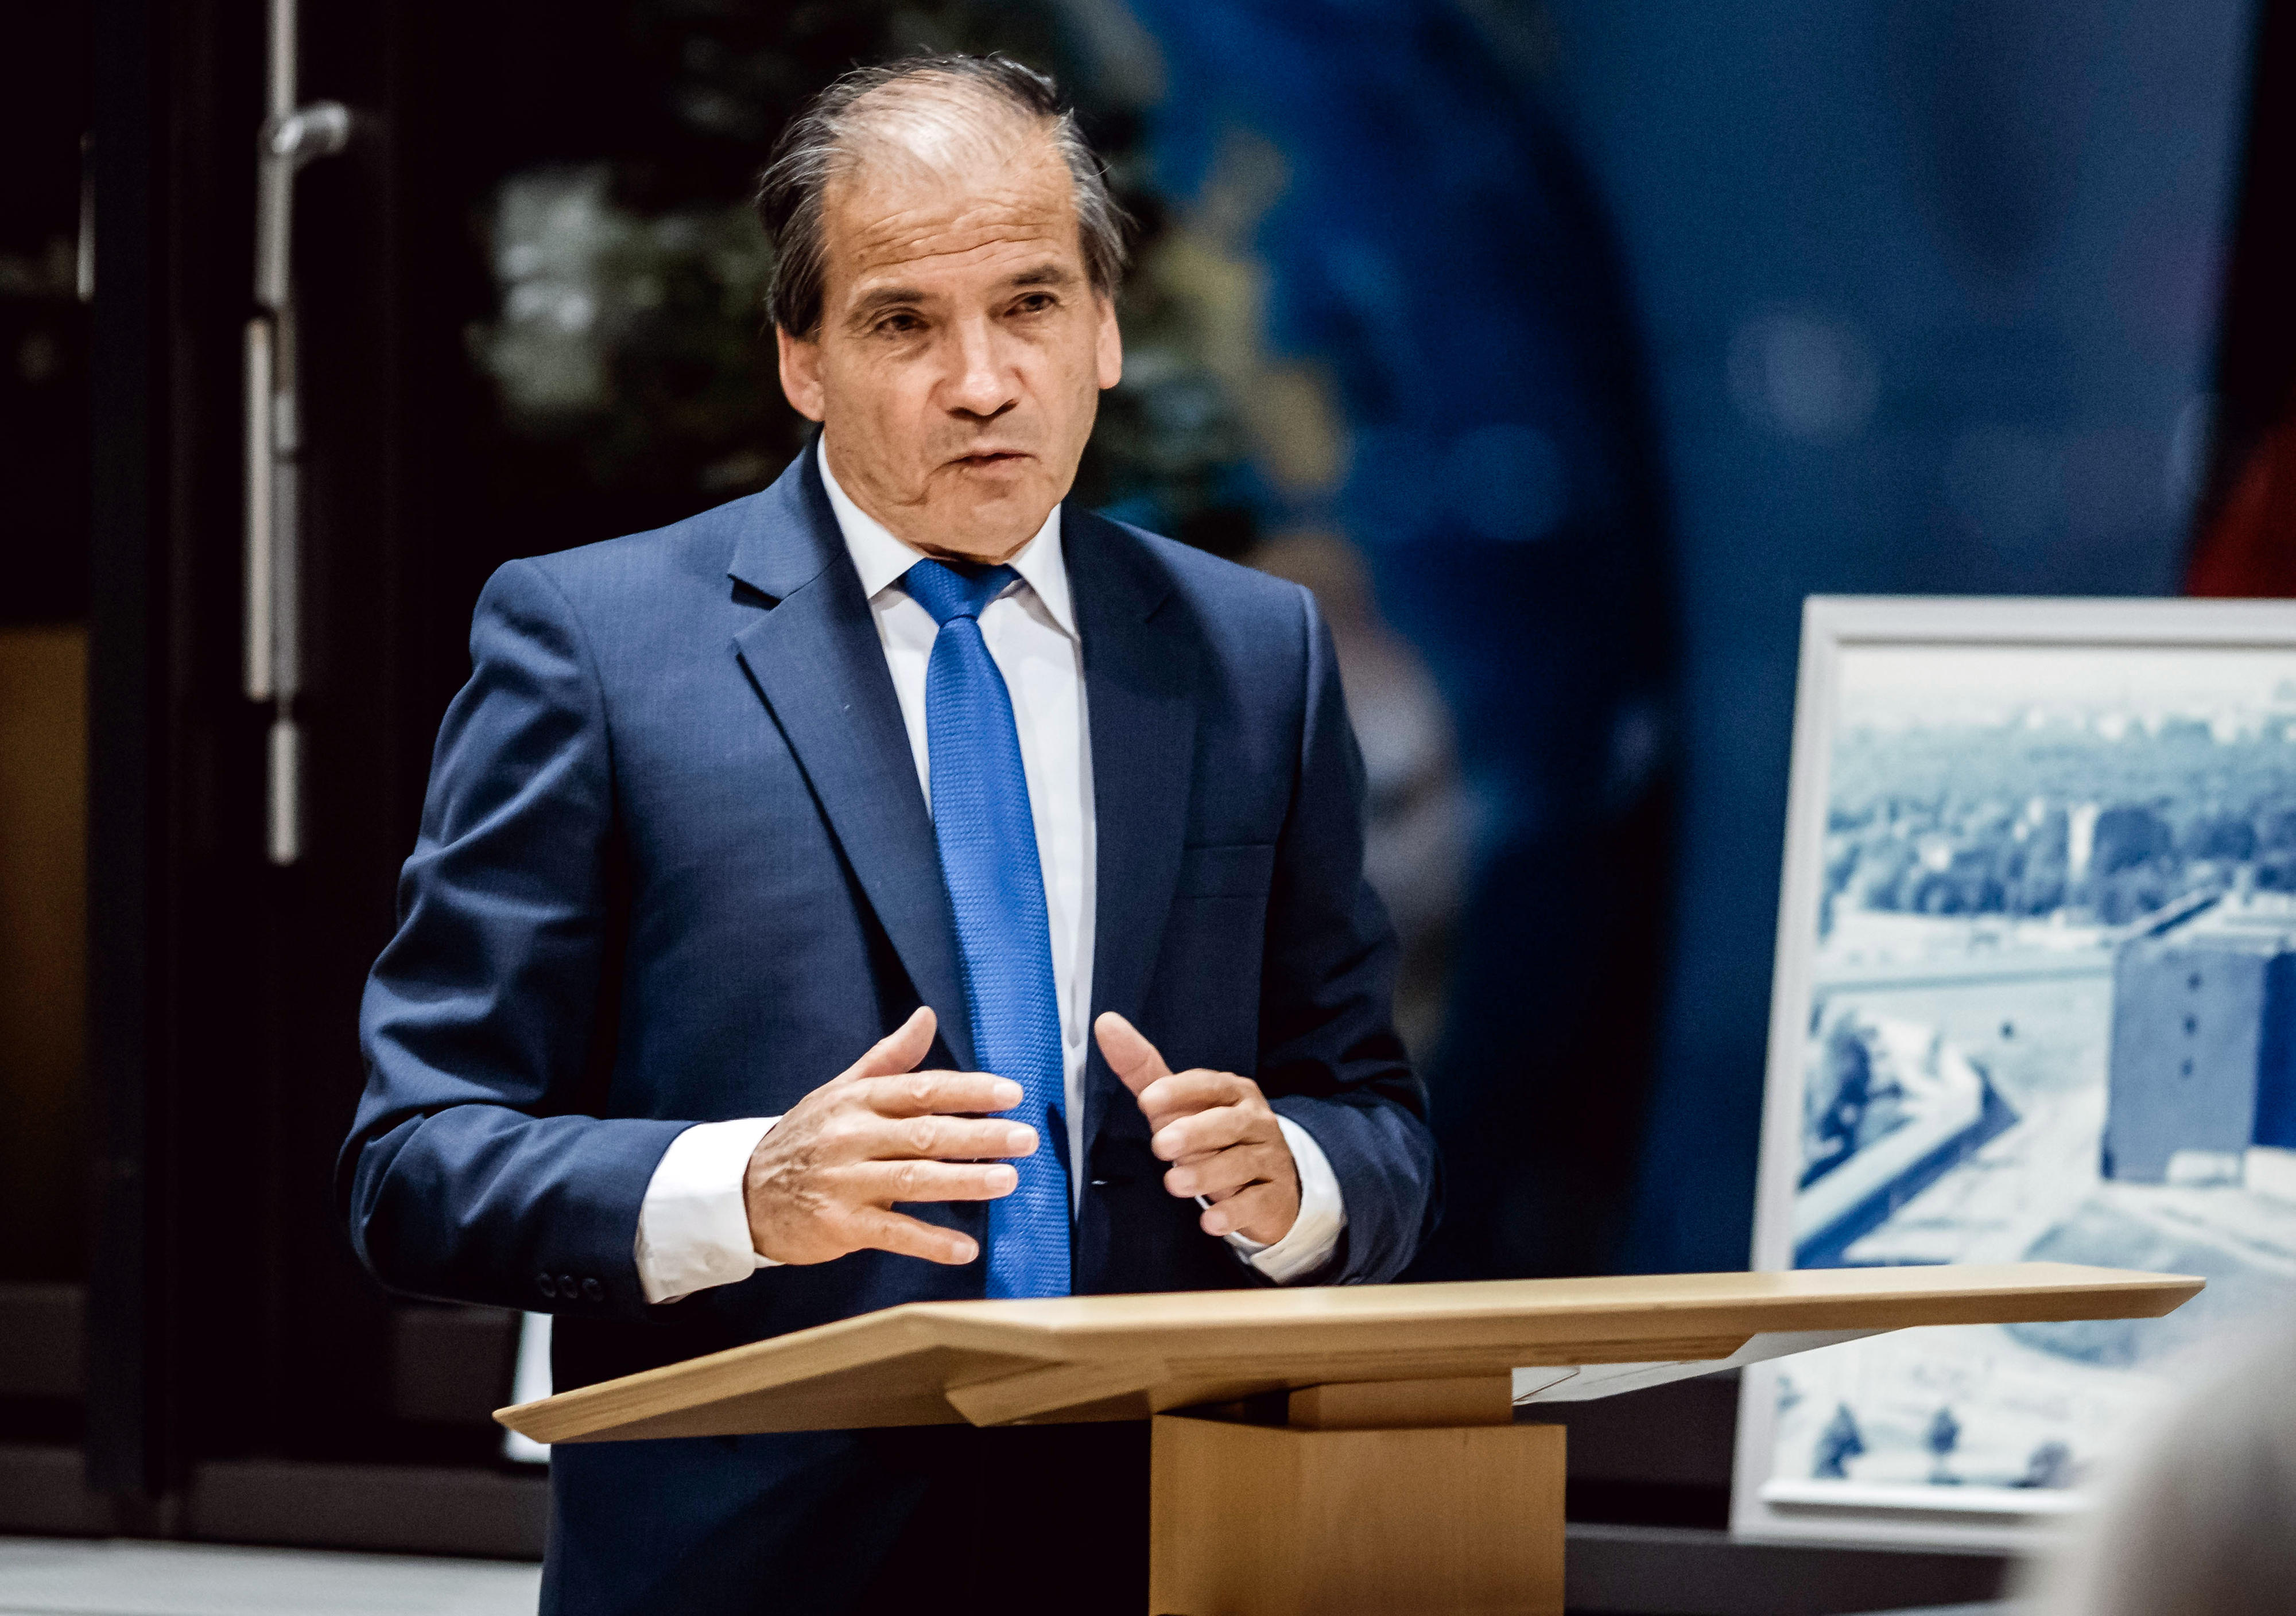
(1330, 1057)
(471, 1172)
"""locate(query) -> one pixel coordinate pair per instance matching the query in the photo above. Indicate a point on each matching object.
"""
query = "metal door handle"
(291, 137)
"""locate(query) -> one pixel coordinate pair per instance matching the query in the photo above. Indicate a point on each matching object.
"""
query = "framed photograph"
(2034, 998)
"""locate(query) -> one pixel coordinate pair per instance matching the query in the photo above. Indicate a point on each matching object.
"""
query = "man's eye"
(1033, 303)
(900, 324)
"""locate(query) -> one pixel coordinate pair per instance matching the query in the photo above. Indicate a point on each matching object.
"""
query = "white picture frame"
(2154, 661)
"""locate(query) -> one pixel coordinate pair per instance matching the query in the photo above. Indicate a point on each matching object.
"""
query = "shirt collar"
(881, 559)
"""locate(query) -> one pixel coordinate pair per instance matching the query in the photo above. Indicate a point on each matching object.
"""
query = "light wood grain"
(1403, 1405)
(1258, 1520)
(899, 1366)
(1012, 1399)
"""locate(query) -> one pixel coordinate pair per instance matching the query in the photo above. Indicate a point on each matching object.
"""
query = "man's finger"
(877, 1229)
(942, 1093)
(945, 1138)
(1130, 1055)
(1194, 1090)
(1223, 1172)
(888, 1183)
(1262, 1205)
(899, 1051)
(1200, 1131)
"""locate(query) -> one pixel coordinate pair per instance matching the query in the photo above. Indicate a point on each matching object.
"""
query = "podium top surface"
(1076, 1357)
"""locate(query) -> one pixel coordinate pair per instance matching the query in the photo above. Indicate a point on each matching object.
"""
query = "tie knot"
(955, 588)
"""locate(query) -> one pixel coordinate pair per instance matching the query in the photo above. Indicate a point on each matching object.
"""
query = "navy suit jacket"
(675, 867)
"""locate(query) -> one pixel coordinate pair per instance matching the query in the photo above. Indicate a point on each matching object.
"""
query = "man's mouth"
(989, 458)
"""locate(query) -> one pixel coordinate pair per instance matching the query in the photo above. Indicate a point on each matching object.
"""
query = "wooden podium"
(1343, 1450)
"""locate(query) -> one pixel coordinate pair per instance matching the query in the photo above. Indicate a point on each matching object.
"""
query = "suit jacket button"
(567, 1288)
(592, 1289)
(542, 1283)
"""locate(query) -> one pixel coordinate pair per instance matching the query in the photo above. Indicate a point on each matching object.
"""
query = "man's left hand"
(1218, 1132)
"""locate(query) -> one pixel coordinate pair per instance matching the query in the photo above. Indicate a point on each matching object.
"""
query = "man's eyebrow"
(871, 303)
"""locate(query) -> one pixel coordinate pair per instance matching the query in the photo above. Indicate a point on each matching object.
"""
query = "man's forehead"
(879, 224)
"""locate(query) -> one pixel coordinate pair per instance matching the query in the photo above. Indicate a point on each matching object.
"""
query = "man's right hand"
(824, 1179)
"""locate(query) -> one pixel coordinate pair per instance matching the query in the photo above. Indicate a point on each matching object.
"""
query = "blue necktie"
(988, 842)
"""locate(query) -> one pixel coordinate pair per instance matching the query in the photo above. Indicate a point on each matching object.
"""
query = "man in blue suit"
(889, 886)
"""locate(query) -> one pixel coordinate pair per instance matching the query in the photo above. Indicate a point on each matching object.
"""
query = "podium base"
(1391, 1521)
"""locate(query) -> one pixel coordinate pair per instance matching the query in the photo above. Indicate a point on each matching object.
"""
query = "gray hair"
(819, 145)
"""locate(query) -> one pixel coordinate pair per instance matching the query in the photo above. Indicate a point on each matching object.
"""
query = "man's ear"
(1109, 349)
(801, 373)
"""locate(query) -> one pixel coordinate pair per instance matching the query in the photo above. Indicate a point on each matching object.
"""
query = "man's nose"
(981, 384)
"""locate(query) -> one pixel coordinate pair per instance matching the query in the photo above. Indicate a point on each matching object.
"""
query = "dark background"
(1562, 347)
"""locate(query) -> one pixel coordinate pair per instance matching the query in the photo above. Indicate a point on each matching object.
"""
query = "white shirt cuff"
(694, 1226)
(1315, 1234)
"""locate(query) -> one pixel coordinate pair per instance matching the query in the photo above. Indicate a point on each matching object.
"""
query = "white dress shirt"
(694, 1226)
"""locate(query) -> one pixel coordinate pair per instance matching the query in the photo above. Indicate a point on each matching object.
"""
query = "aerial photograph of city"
(2053, 983)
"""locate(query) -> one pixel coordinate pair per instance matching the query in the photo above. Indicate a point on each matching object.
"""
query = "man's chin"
(988, 522)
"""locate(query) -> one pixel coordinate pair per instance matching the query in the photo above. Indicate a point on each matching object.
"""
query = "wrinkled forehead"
(935, 175)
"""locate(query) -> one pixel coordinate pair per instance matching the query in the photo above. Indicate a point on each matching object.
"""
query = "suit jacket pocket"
(1234, 869)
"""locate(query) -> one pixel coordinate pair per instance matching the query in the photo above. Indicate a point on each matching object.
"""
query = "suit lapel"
(817, 662)
(1139, 673)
